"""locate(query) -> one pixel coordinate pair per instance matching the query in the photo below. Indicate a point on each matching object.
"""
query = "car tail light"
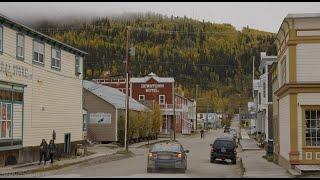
(179, 155)
(213, 149)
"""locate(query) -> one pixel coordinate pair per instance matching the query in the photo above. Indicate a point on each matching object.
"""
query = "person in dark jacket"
(43, 151)
(52, 150)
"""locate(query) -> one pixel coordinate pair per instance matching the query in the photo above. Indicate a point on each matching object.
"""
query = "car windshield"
(224, 143)
(166, 147)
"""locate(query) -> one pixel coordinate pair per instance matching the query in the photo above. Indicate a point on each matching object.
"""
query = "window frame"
(33, 51)
(23, 46)
(76, 66)
(305, 129)
(142, 95)
(10, 136)
(55, 49)
(283, 71)
(164, 99)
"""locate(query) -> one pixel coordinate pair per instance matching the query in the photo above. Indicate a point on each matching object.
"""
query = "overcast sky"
(265, 16)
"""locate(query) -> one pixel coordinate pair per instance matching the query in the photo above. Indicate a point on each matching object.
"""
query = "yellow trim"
(297, 88)
(292, 64)
(293, 128)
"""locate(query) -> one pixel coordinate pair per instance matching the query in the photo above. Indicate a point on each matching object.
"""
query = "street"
(198, 163)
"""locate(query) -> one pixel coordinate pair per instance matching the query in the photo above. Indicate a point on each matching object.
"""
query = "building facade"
(298, 46)
(40, 93)
(264, 113)
(117, 83)
(105, 106)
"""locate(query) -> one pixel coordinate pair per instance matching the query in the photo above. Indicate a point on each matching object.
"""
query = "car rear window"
(166, 147)
(223, 143)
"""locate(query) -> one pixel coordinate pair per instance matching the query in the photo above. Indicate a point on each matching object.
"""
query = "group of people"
(47, 151)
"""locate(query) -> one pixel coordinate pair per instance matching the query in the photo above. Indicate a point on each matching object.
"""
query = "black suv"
(224, 148)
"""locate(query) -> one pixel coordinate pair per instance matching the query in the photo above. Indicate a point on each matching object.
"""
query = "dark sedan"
(167, 155)
(224, 148)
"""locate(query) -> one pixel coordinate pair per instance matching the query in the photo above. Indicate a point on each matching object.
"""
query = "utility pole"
(127, 90)
(174, 112)
(196, 126)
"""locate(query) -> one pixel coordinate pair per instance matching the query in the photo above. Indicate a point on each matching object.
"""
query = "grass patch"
(268, 157)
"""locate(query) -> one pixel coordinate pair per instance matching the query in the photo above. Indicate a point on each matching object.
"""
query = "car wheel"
(182, 171)
(234, 161)
(149, 170)
(212, 160)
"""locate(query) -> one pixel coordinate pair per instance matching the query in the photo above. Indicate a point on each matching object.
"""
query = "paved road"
(198, 164)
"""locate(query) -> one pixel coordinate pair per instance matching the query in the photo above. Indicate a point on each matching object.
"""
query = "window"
(5, 120)
(259, 98)
(77, 66)
(38, 52)
(20, 46)
(141, 97)
(312, 127)
(283, 71)
(56, 58)
(1, 38)
(161, 99)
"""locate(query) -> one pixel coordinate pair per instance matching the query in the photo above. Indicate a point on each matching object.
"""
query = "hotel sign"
(15, 70)
(151, 88)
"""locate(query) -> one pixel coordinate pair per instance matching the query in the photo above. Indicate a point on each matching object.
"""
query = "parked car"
(167, 155)
(224, 148)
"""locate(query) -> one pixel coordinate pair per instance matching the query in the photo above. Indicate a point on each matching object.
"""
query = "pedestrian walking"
(52, 150)
(43, 151)
(202, 133)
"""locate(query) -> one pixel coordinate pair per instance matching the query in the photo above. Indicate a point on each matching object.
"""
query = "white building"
(263, 87)
(40, 93)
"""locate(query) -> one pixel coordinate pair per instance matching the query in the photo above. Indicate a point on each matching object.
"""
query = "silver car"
(167, 155)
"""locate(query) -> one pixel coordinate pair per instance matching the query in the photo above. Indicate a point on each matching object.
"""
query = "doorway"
(67, 143)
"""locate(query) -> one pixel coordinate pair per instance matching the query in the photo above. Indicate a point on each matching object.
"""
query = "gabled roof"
(154, 76)
(303, 15)
(20, 26)
(112, 96)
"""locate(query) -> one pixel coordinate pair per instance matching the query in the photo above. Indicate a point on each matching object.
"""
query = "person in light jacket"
(43, 151)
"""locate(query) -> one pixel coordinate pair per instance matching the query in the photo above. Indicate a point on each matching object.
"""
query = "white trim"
(142, 95)
(308, 155)
(164, 99)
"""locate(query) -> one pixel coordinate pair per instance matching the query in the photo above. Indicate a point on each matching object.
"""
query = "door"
(67, 143)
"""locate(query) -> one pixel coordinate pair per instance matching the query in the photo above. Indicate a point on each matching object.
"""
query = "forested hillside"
(217, 57)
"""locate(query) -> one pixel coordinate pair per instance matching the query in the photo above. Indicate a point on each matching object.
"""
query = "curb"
(57, 167)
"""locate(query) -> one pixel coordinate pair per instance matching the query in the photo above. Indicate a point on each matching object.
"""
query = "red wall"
(167, 90)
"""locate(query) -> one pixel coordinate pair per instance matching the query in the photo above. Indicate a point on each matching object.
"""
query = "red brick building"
(153, 89)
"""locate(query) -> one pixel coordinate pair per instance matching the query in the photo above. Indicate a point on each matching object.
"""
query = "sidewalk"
(255, 166)
(100, 150)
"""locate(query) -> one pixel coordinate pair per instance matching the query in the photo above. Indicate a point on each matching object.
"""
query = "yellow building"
(298, 46)
(40, 93)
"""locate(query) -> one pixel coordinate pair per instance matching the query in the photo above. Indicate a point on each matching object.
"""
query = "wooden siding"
(53, 99)
(284, 126)
(308, 62)
(100, 132)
